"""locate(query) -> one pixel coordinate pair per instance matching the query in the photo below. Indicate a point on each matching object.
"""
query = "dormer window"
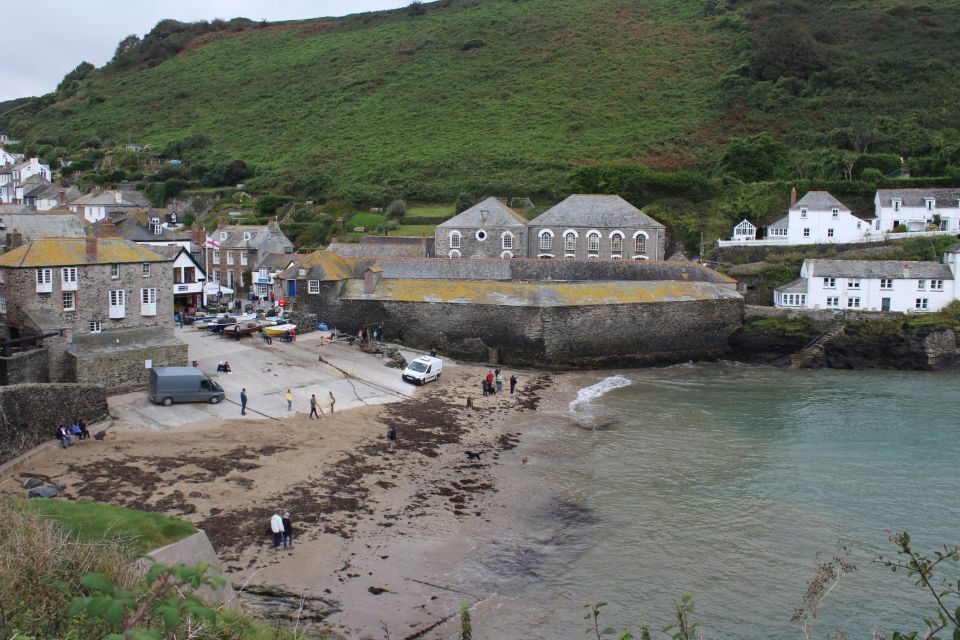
(247, 235)
(835, 212)
(930, 203)
(223, 235)
(896, 205)
(803, 212)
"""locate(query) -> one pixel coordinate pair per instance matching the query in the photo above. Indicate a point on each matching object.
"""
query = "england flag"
(212, 244)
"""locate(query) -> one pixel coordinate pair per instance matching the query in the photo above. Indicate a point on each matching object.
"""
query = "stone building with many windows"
(490, 229)
(104, 305)
(600, 227)
(235, 252)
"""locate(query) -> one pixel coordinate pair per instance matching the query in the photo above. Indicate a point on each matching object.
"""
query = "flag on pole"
(213, 243)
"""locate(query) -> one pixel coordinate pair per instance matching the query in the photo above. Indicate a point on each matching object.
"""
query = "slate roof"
(45, 225)
(279, 260)
(894, 269)
(489, 213)
(782, 223)
(55, 252)
(258, 235)
(108, 198)
(945, 198)
(595, 211)
(797, 286)
(819, 201)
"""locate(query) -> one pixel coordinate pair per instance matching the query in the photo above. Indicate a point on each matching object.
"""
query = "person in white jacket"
(276, 526)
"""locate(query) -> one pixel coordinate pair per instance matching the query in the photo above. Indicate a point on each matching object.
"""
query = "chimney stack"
(371, 278)
(793, 196)
(106, 229)
(118, 197)
(91, 247)
(14, 239)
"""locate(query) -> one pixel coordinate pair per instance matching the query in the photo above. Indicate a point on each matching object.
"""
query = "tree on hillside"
(125, 45)
(464, 201)
(753, 158)
(396, 209)
(948, 146)
(783, 49)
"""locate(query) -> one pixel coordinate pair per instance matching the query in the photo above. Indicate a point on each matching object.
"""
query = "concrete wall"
(190, 551)
(30, 413)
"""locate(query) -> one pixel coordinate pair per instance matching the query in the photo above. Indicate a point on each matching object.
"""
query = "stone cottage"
(490, 229)
(600, 227)
(104, 305)
(239, 251)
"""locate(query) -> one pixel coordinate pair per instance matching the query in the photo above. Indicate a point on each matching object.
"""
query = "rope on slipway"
(253, 410)
(350, 378)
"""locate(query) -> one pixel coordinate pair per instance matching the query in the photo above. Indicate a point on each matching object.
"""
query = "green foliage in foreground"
(93, 521)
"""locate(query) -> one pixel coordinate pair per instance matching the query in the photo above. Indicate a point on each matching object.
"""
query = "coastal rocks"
(43, 492)
(32, 482)
(273, 603)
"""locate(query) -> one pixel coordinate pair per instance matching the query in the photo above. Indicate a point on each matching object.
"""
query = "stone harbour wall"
(123, 368)
(27, 366)
(30, 413)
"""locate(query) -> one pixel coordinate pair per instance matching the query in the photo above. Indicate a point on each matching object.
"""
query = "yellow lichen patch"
(536, 294)
(52, 252)
(333, 267)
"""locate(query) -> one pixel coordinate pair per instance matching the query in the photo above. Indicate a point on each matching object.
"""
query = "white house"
(818, 218)
(188, 277)
(917, 210)
(14, 175)
(873, 285)
(98, 205)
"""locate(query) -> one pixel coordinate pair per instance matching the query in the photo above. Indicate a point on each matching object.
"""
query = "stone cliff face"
(863, 345)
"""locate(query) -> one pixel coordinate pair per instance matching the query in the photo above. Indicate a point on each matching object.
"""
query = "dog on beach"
(474, 455)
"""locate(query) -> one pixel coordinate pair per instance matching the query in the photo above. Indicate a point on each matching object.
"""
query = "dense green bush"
(270, 204)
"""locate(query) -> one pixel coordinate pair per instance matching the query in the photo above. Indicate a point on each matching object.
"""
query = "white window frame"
(886, 284)
(506, 241)
(930, 203)
(829, 233)
(936, 285)
(68, 279)
(835, 213)
(921, 304)
(3, 303)
(454, 253)
(223, 235)
(3, 276)
(96, 326)
(148, 301)
(921, 285)
(829, 282)
(506, 255)
(456, 240)
(44, 280)
(246, 235)
(803, 212)
(640, 243)
(229, 258)
(570, 241)
(896, 205)
(313, 287)
(833, 302)
(481, 235)
(69, 299)
(115, 271)
(216, 257)
(853, 302)
(243, 258)
(806, 232)
(145, 269)
(593, 241)
(118, 304)
(853, 283)
(616, 243)
(546, 240)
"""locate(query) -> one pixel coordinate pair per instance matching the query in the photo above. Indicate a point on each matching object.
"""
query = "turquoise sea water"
(725, 481)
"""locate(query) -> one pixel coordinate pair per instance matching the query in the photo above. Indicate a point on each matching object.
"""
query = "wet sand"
(376, 526)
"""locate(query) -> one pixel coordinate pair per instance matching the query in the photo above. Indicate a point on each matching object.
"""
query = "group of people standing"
(76, 430)
(314, 404)
(493, 382)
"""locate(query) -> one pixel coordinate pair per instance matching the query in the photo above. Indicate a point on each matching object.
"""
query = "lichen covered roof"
(320, 265)
(54, 252)
(588, 210)
(536, 294)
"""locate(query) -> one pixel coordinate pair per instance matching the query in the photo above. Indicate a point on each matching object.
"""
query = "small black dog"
(474, 455)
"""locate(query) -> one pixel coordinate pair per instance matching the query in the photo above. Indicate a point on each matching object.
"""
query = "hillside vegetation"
(507, 96)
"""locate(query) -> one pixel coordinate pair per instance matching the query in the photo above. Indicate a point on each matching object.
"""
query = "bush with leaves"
(396, 209)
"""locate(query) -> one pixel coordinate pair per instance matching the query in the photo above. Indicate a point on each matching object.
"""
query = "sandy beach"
(376, 525)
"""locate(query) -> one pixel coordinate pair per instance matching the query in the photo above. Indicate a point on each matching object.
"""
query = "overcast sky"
(44, 40)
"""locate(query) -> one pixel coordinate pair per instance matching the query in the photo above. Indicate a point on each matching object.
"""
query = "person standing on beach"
(243, 401)
(486, 386)
(313, 407)
(513, 383)
(333, 401)
(276, 526)
(499, 379)
(287, 531)
(289, 400)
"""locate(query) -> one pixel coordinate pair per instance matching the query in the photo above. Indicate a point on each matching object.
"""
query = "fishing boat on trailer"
(243, 329)
(280, 329)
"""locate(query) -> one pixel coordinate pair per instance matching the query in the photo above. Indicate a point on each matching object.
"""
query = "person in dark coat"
(513, 383)
(287, 531)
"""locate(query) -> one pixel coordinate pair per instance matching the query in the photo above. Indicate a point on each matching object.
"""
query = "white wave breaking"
(588, 394)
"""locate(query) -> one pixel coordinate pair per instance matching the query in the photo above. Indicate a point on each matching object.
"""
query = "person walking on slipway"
(276, 526)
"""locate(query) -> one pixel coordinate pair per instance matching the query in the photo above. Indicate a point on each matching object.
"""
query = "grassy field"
(441, 211)
(92, 521)
(413, 230)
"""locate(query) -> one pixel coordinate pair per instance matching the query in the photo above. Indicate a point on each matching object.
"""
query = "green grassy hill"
(507, 97)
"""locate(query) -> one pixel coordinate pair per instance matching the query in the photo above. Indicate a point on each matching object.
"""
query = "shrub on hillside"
(396, 209)
(753, 158)
(269, 204)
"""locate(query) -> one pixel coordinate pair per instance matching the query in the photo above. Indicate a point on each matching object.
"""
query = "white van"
(423, 370)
